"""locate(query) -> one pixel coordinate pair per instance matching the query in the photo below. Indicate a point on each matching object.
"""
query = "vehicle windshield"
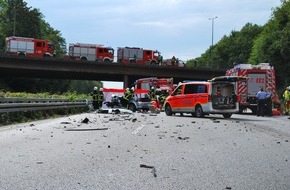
(111, 51)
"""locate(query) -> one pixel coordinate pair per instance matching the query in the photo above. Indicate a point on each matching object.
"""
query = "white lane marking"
(138, 129)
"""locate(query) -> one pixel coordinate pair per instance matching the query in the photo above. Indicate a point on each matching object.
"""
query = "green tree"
(52, 35)
(273, 44)
(18, 19)
(235, 48)
(83, 87)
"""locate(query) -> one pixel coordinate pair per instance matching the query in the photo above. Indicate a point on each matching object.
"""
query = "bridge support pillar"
(126, 81)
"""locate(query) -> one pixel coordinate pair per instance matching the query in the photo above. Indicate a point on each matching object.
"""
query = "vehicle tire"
(227, 115)
(107, 61)
(199, 112)
(153, 63)
(84, 59)
(21, 54)
(132, 62)
(46, 56)
(193, 114)
(168, 110)
(132, 107)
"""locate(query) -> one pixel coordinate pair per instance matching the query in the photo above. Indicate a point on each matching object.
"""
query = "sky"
(180, 28)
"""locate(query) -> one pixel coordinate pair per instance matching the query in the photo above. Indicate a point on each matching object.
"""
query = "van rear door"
(224, 92)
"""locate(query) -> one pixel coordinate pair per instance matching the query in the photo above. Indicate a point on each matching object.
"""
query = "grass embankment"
(27, 116)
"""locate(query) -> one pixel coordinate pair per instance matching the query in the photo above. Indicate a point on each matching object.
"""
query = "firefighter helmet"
(95, 88)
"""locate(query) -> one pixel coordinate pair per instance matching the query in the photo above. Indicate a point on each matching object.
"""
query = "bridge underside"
(87, 70)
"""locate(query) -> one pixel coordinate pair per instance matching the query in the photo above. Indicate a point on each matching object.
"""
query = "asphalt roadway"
(143, 151)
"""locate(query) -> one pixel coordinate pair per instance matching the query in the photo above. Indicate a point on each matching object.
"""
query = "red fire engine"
(261, 75)
(162, 87)
(30, 47)
(164, 84)
(133, 55)
(91, 52)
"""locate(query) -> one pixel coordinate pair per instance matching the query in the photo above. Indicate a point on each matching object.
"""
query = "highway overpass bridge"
(98, 71)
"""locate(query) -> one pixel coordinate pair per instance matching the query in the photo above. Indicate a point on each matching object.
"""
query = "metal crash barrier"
(33, 104)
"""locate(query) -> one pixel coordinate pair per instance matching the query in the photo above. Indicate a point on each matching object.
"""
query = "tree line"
(255, 44)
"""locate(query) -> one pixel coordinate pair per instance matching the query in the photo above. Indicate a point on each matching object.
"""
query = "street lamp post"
(212, 29)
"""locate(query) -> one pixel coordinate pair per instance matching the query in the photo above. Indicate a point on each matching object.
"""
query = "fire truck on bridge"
(29, 47)
(134, 55)
(91, 52)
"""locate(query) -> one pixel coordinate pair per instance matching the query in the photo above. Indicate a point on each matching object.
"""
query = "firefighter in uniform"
(152, 94)
(286, 96)
(100, 98)
(162, 98)
(127, 96)
(160, 59)
(173, 61)
(94, 95)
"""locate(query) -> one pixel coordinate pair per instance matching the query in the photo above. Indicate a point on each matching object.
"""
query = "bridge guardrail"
(33, 104)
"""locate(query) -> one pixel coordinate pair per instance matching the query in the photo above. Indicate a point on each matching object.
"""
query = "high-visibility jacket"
(286, 95)
(152, 94)
(94, 94)
(128, 95)
(100, 96)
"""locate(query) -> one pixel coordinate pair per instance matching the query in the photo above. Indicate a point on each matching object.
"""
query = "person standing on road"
(100, 98)
(127, 97)
(94, 95)
(261, 96)
(286, 96)
(152, 94)
(269, 102)
(173, 61)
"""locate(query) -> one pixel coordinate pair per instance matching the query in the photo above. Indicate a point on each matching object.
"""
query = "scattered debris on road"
(65, 122)
(183, 138)
(87, 129)
(151, 167)
(86, 120)
(115, 111)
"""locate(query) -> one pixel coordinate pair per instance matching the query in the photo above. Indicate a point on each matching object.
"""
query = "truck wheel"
(46, 56)
(132, 62)
(132, 107)
(84, 59)
(227, 115)
(168, 110)
(199, 112)
(21, 54)
(107, 61)
(153, 63)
